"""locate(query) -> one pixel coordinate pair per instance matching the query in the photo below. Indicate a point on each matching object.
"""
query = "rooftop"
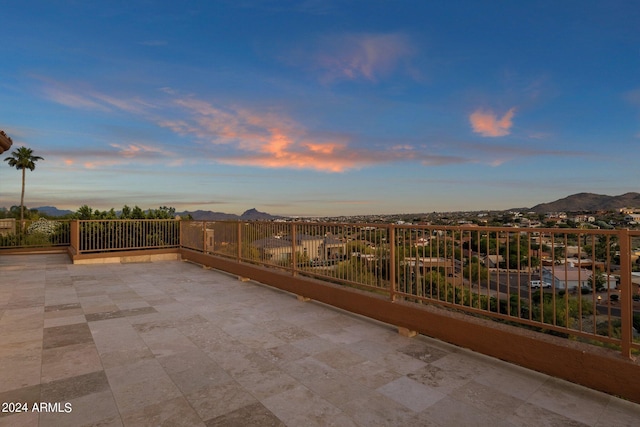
(172, 342)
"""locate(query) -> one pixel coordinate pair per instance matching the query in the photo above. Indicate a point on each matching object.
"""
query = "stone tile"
(130, 312)
(619, 413)
(301, 407)
(125, 375)
(96, 409)
(575, 402)
(60, 336)
(513, 380)
(62, 307)
(487, 399)
(173, 412)
(103, 315)
(371, 374)
(27, 419)
(69, 361)
(51, 322)
(28, 395)
(136, 396)
(529, 415)
(255, 415)
(450, 412)
(291, 333)
(441, 379)
(165, 342)
(19, 374)
(212, 401)
(377, 410)
(410, 393)
(282, 354)
(200, 376)
(266, 383)
(339, 359)
(325, 381)
(423, 352)
(70, 388)
(186, 360)
(314, 345)
(126, 356)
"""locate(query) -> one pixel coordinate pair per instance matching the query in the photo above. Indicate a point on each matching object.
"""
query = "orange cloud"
(264, 139)
(486, 123)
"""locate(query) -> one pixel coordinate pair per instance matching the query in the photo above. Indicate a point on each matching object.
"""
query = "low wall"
(126, 256)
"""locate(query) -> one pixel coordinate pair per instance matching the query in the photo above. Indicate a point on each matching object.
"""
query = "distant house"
(7, 226)
(566, 277)
(492, 261)
(426, 264)
(313, 247)
(632, 218)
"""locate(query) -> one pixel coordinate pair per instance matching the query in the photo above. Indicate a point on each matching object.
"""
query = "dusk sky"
(320, 107)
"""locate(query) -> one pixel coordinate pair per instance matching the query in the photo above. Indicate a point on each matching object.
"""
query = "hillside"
(249, 215)
(589, 202)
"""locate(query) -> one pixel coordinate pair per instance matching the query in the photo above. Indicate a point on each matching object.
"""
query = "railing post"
(626, 301)
(74, 236)
(204, 237)
(239, 237)
(294, 260)
(392, 262)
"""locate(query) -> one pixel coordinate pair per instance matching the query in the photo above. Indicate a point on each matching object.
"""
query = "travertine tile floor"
(171, 343)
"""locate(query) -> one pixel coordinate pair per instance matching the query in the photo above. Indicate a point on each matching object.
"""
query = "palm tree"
(23, 158)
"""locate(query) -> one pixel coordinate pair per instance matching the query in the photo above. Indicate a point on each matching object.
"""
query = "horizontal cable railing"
(31, 234)
(567, 282)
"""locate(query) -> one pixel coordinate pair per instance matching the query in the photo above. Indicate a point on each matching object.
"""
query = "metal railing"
(34, 234)
(573, 283)
(124, 235)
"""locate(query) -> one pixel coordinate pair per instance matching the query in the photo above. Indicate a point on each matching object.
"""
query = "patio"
(173, 343)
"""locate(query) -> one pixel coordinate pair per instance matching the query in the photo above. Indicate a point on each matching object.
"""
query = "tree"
(23, 159)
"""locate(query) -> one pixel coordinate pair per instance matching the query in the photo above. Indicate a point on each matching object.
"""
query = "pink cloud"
(486, 123)
(264, 139)
(361, 56)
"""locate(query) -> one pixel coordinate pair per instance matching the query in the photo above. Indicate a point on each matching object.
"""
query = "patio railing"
(34, 234)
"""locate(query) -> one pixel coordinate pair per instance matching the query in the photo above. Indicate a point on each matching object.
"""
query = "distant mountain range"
(249, 215)
(53, 211)
(589, 202)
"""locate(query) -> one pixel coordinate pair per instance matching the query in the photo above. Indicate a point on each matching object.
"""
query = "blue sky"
(320, 107)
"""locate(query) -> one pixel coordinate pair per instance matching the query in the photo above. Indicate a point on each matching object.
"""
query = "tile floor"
(171, 343)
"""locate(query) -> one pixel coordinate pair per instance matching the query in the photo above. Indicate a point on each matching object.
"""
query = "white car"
(535, 284)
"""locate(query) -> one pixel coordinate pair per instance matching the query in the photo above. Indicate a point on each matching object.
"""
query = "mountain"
(589, 202)
(249, 215)
(253, 214)
(53, 211)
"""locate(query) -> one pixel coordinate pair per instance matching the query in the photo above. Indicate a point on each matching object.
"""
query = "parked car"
(535, 284)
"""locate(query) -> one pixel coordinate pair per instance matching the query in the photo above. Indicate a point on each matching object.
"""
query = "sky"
(320, 107)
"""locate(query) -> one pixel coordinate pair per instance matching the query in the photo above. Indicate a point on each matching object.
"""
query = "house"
(632, 218)
(493, 261)
(7, 226)
(278, 248)
(426, 264)
(566, 277)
